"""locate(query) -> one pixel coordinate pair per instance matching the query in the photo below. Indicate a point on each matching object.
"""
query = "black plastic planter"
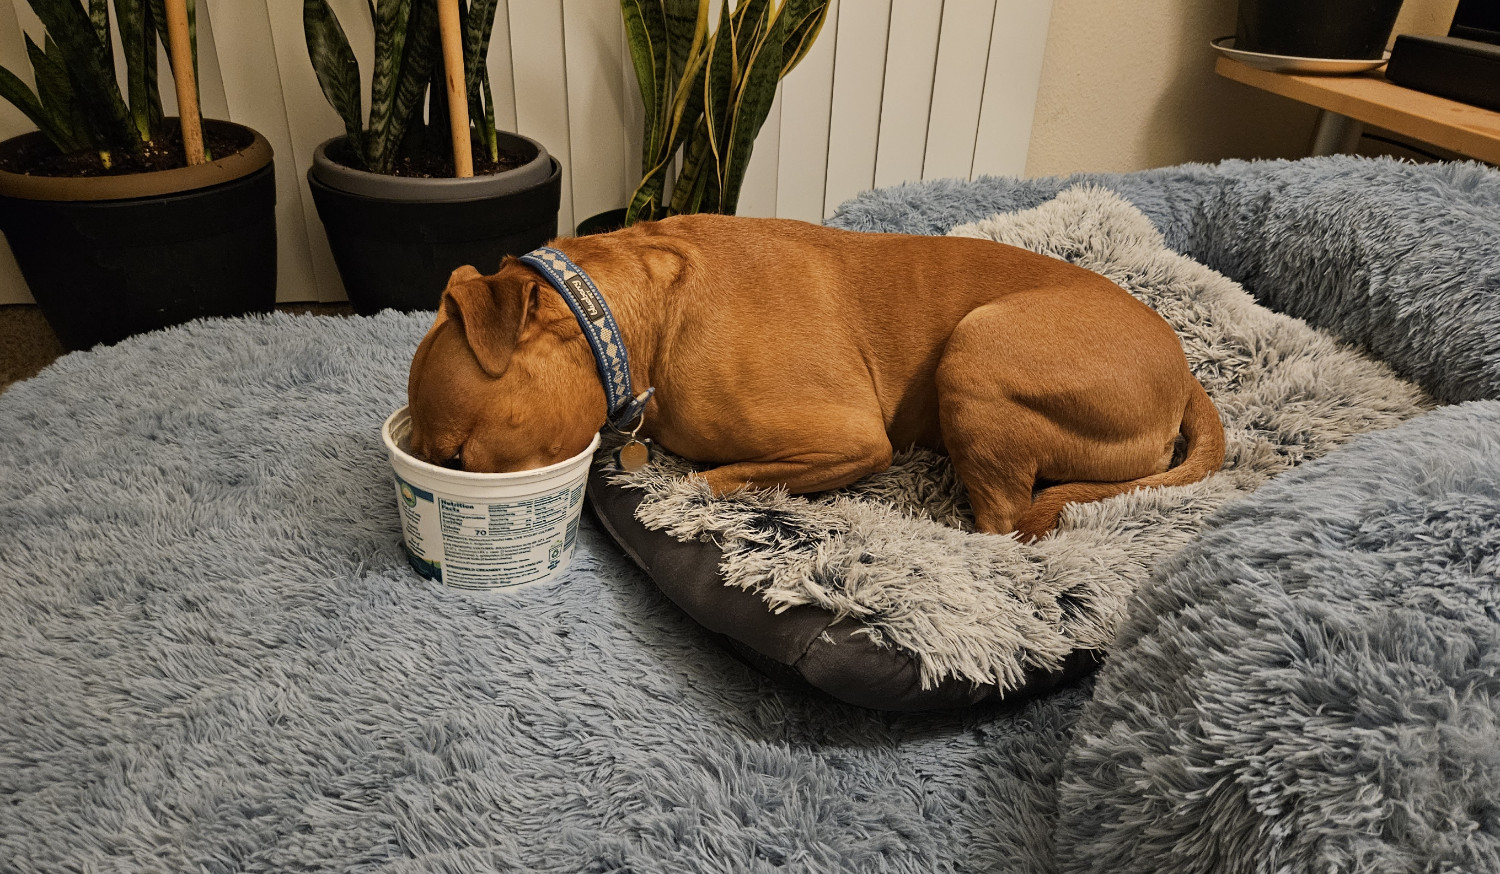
(1337, 29)
(397, 252)
(104, 269)
(602, 223)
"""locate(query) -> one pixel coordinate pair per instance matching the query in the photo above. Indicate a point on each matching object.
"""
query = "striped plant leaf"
(478, 25)
(15, 91)
(491, 139)
(693, 192)
(153, 109)
(754, 93)
(337, 69)
(90, 67)
(646, 34)
(68, 109)
(417, 60)
(804, 21)
(391, 17)
(55, 93)
(99, 15)
(478, 21)
(138, 41)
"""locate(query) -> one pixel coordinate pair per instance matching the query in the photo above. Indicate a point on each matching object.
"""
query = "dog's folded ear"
(492, 311)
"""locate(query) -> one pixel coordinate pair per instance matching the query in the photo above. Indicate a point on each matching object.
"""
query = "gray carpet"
(213, 656)
(216, 657)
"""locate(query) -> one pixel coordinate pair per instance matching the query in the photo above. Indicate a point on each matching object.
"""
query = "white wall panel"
(596, 108)
(958, 88)
(758, 191)
(806, 107)
(892, 91)
(910, 59)
(1011, 80)
(251, 84)
(310, 121)
(502, 83)
(537, 45)
(858, 78)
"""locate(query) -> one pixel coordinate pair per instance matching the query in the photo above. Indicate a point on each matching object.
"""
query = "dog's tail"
(1205, 455)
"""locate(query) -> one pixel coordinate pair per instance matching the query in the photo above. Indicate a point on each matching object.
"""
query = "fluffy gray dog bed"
(896, 606)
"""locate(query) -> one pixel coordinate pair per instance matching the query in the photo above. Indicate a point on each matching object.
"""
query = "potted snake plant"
(398, 218)
(121, 220)
(706, 95)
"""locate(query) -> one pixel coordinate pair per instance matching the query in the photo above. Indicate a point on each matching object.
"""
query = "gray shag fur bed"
(214, 657)
(891, 553)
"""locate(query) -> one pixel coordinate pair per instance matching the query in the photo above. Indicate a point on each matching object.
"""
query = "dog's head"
(504, 380)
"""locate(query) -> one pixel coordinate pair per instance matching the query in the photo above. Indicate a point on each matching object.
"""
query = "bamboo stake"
(181, 47)
(458, 93)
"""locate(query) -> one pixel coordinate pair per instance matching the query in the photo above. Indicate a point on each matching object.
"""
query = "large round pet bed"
(214, 657)
(876, 593)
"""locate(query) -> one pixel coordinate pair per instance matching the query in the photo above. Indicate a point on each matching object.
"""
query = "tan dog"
(790, 354)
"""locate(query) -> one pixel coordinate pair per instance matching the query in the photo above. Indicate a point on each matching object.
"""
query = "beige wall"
(1129, 84)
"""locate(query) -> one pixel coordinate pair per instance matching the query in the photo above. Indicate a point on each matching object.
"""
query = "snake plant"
(707, 94)
(407, 71)
(78, 103)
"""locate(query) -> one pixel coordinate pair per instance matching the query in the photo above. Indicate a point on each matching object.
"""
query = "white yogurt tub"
(486, 530)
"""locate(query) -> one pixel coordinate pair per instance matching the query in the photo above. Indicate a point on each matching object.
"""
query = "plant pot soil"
(1337, 29)
(396, 240)
(110, 256)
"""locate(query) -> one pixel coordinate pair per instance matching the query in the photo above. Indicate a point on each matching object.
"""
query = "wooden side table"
(1348, 101)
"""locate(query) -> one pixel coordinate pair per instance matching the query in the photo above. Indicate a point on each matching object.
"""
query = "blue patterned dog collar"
(598, 324)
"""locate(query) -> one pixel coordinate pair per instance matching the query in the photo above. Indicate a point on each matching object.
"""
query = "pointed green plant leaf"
(139, 45)
(390, 18)
(152, 109)
(99, 16)
(478, 25)
(55, 89)
(645, 31)
(90, 67)
(69, 129)
(718, 84)
(804, 21)
(20, 96)
(419, 56)
(697, 164)
(753, 98)
(338, 70)
(491, 140)
(686, 23)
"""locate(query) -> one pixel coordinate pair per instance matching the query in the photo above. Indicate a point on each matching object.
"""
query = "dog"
(789, 354)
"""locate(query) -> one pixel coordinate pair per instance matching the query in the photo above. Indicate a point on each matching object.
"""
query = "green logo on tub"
(408, 497)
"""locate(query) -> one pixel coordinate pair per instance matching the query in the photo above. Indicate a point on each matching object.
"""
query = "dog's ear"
(493, 313)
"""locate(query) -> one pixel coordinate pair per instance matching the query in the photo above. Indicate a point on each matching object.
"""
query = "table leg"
(1335, 134)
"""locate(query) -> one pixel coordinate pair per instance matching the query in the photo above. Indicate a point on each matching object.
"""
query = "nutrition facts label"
(518, 541)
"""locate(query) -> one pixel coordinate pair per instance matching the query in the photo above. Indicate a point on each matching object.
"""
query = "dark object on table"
(1342, 29)
(1460, 69)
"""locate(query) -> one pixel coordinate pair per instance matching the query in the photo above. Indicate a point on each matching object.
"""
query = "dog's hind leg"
(996, 442)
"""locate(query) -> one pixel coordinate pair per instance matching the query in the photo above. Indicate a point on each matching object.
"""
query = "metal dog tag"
(633, 456)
